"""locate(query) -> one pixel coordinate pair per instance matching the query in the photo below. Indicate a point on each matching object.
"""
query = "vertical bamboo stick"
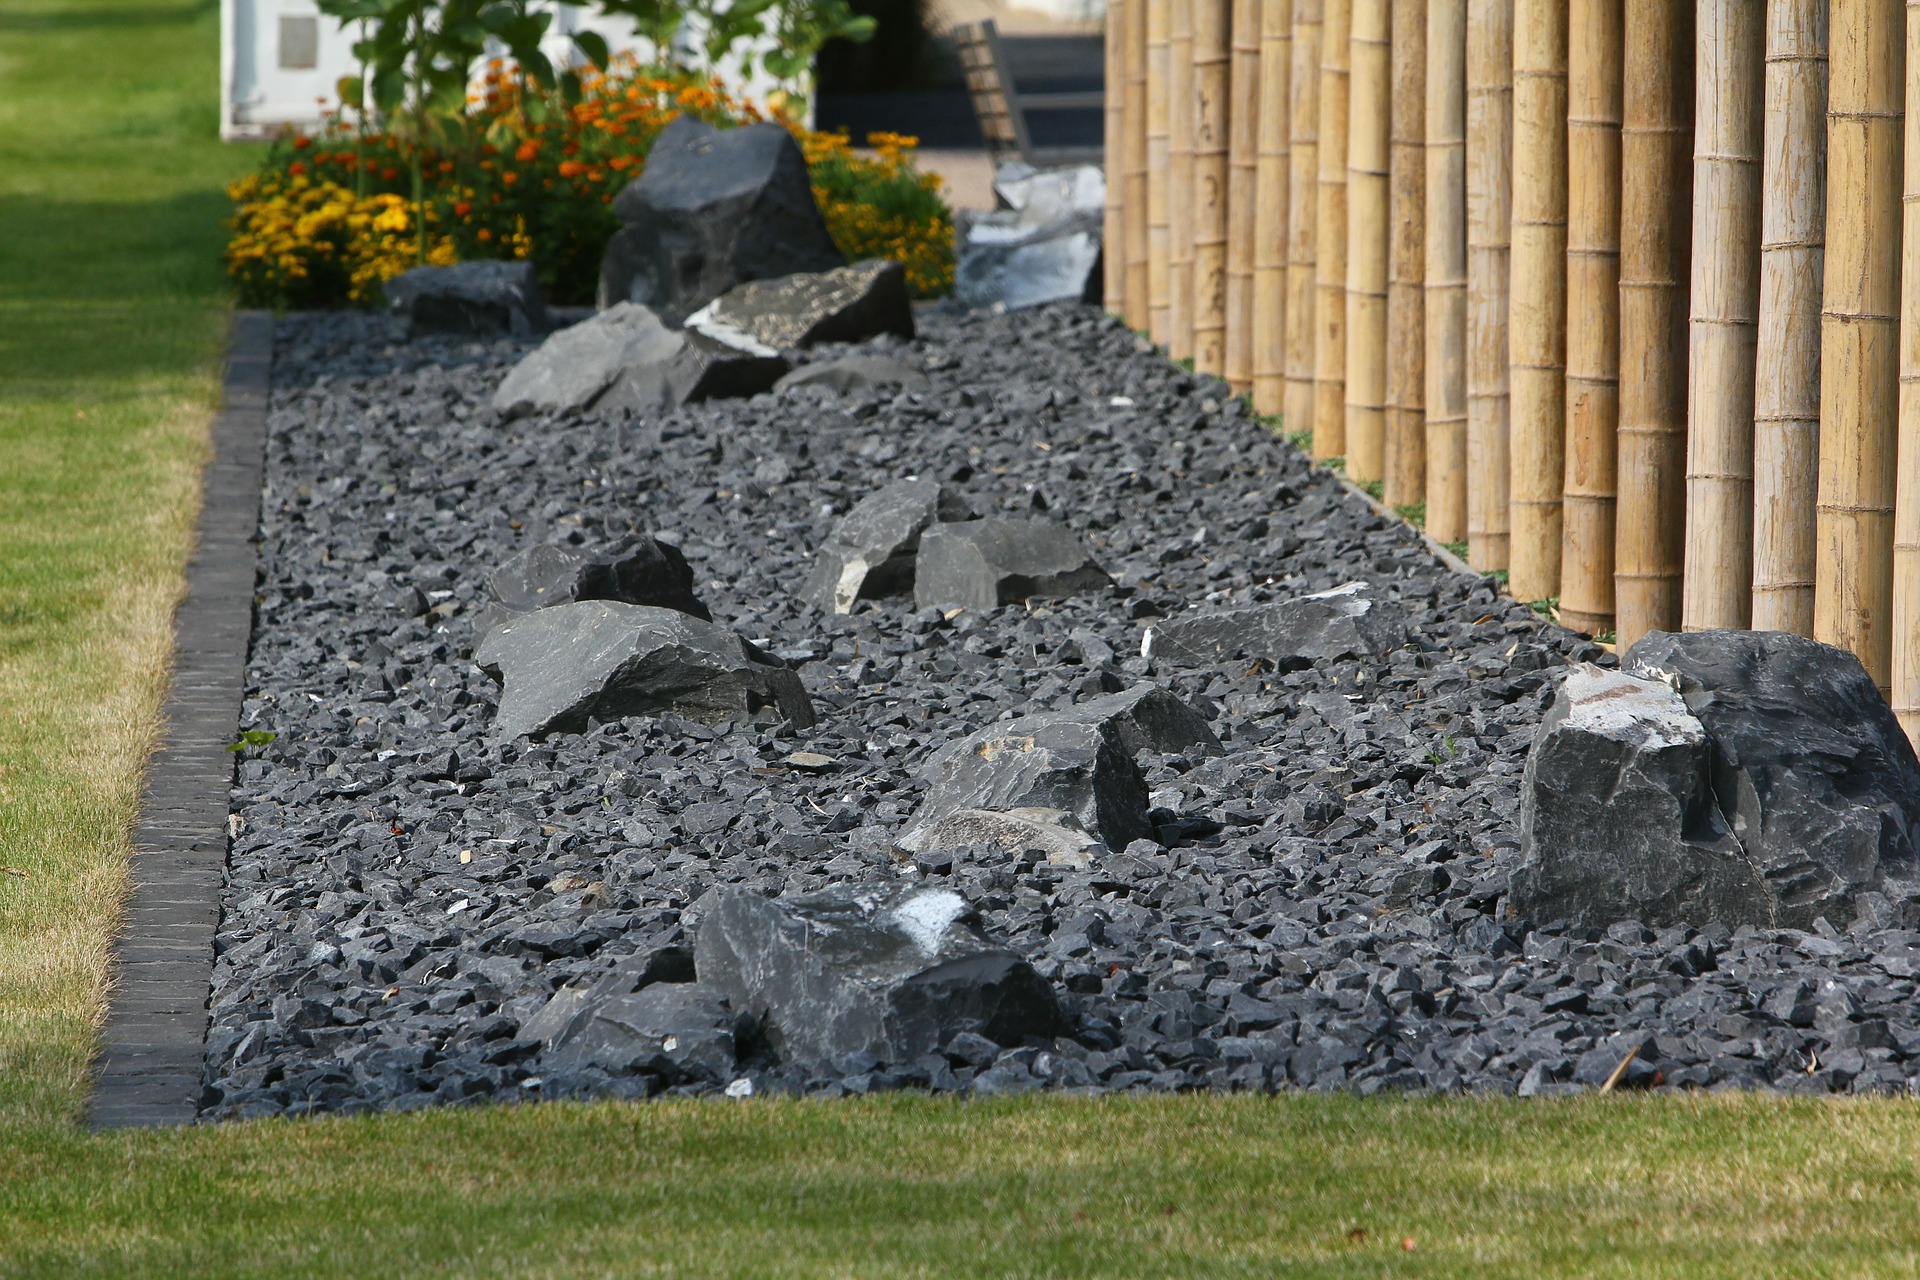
(1405, 462)
(1446, 289)
(1212, 61)
(1717, 568)
(1369, 129)
(1180, 217)
(1113, 261)
(1537, 338)
(1243, 192)
(1593, 313)
(1906, 512)
(1330, 229)
(1489, 232)
(1134, 177)
(1786, 389)
(1159, 155)
(1303, 202)
(1656, 219)
(1859, 334)
(1271, 315)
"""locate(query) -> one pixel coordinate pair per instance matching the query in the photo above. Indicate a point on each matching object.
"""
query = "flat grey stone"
(982, 564)
(480, 298)
(1345, 622)
(1148, 716)
(575, 365)
(847, 304)
(677, 1030)
(872, 550)
(648, 572)
(1055, 834)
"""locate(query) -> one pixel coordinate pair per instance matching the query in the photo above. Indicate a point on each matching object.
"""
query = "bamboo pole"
(1330, 229)
(1729, 70)
(1537, 336)
(1272, 317)
(1656, 219)
(1180, 218)
(1243, 192)
(1489, 231)
(1134, 159)
(1159, 155)
(1859, 334)
(1404, 474)
(1113, 262)
(1369, 130)
(1593, 313)
(1906, 514)
(1303, 202)
(1446, 287)
(1786, 391)
(1212, 68)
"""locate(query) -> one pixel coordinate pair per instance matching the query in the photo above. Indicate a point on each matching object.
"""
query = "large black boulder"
(982, 564)
(894, 971)
(848, 304)
(872, 549)
(1346, 622)
(482, 298)
(712, 209)
(647, 571)
(597, 659)
(677, 1030)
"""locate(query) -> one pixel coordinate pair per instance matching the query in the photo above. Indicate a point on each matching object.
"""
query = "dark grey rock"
(575, 365)
(480, 298)
(1053, 834)
(853, 373)
(1045, 247)
(648, 572)
(847, 304)
(707, 369)
(596, 659)
(891, 971)
(1617, 815)
(871, 552)
(1149, 717)
(1050, 761)
(982, 564)
(676, 1030)
(1346, 622)
(1810, 768)
(711, 210)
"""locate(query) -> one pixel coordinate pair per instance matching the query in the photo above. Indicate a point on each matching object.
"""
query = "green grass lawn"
(112, 312)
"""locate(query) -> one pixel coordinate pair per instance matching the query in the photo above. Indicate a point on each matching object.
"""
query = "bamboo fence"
(1624, 295)
(1113, 263)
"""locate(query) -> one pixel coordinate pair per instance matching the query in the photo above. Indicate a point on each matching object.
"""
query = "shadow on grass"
(106, 19)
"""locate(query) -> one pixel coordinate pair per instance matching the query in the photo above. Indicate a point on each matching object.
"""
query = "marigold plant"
(524, 175)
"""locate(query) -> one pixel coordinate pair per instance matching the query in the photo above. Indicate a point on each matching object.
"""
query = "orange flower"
(571, 168)
(461, 208)
(302, 142)
(297, 168)
(528, 152)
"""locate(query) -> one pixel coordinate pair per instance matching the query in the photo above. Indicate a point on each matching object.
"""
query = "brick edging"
(152, 1051)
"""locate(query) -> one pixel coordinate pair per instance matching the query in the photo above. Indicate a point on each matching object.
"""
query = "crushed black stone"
(1326, 910)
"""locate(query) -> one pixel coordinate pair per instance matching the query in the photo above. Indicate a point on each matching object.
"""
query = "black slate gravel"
(1326, 910)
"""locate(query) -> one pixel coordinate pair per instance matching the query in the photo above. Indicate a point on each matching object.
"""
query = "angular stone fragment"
(1053, 833)
(1058, 760)
(847, 304)
(1617, 818)
(854, 373)
(599, 659)
(676, 1030)
(470, 297)
(648, 572)
(1149, 716)
(1810, 767)
(1046, 247)
(713, 209)
(574, 366)
(708, 369)
(982, 564)
(872, 549)
(1346, 622)
(894, 971)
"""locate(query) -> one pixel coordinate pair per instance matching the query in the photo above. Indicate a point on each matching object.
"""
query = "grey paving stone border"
(153, 1046)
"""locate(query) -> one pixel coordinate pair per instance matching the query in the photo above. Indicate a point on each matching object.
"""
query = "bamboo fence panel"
(1729, 70)
(1537, 333)
(1446, 284)
(1212, 63)
(1656, 218)
(1859, 334)
(1405, 471)
(1489, 232)
(1593, 313)
(1330, 224)
(1302, 334)
(1369, 120)
(1133, 160)
(1786, 395)
(1113, 262)
(1243, 193)
(1272, 319)
(1180, 218)
(1906, 516)
(1159, 154)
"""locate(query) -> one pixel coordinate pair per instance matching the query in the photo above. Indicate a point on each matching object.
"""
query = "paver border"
(153, 1048)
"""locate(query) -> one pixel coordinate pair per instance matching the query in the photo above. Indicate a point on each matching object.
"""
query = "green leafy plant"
(253, 738)
(1302, 440)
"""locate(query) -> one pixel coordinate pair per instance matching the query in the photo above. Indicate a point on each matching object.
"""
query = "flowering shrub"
(522, 176)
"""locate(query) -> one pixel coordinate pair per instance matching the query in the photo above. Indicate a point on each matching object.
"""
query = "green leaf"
(252, 738)
(594, 46)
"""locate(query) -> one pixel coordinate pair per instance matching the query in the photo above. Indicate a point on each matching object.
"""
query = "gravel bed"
(1325, 910)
